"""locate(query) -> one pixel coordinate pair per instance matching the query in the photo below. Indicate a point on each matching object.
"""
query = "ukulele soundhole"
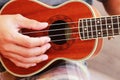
(59, 32)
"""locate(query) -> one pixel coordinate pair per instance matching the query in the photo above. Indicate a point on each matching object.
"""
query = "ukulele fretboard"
(99, 27)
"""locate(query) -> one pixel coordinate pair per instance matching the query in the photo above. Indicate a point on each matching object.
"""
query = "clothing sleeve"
(53, 2)
(57, 2)
(89, 1)
(2, 2)
(102, 0)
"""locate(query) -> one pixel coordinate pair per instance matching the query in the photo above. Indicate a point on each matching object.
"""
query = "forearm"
(112, 6)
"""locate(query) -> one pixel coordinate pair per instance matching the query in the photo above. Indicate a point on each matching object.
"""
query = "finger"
(25, 64)
(30, 60)
(22, 62)
(27, 41)
(24, 22)
(31, 41)
(26, 52)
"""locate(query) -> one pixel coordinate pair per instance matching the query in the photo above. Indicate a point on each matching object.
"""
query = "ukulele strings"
(50, 30)
(53, 29)
(59, 29)
(68, 33)
(66, 39)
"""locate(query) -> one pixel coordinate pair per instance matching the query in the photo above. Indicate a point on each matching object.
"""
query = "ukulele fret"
(85, 28)
(118, 19)
(91, 28)
(99, 28)
(109, 26)
(81, 29)
(84, 33)
(94, 29)
(104, 26)
(115, 25)
(89, 24)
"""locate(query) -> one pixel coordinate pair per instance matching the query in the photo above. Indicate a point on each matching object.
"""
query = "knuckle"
(18, 64)
(45, 48)
(26, 66)
(42, 41)
(34, 22)
(29, 43)
(19, 17)
(42, 50)
(30, 53)
(22, 65)
(25, 60)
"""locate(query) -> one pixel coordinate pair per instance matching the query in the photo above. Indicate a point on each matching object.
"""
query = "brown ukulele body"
(70, 46)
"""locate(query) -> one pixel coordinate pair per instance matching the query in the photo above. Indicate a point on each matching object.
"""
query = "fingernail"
(33, 64)
(44, 57)
(48, 39)
(48, 46)
(44, 24)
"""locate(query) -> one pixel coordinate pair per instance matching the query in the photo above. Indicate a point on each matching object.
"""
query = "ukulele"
(75, 29)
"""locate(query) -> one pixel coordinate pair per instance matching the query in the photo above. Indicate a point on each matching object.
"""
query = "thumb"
(24, 22)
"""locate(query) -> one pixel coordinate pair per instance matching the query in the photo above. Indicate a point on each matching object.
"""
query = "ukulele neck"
(92, 28)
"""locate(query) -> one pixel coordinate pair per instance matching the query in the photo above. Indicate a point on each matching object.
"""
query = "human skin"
(21, 49)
